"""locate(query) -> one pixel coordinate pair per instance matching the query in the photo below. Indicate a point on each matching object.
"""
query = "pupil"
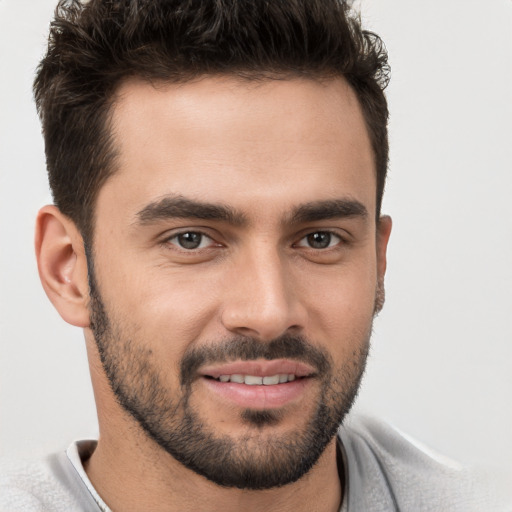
(320, 240)
(190, 240)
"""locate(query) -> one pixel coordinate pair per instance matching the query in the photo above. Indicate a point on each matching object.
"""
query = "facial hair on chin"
(250, 461)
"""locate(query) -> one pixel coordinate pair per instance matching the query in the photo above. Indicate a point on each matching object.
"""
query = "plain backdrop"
(440, 367)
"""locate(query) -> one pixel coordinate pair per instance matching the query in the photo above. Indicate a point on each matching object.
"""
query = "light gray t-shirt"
(384, 472)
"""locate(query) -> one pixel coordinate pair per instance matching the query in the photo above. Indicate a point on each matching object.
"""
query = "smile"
(254, 380)
(259, 384)
(258, 372)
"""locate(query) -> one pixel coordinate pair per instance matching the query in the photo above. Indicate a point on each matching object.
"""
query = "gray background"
(440, 367)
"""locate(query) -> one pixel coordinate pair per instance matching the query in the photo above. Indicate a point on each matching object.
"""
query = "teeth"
(268, 381)
(253, 380)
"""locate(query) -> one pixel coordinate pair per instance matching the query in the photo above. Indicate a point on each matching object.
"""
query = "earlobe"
(62, 265)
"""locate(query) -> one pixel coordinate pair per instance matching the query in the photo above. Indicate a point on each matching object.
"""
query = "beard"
(254, 459)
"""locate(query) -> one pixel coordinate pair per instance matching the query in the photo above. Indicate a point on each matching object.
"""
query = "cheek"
(341, 308)
(168, 310)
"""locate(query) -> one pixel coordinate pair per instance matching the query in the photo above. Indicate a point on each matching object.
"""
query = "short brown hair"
(94, 45)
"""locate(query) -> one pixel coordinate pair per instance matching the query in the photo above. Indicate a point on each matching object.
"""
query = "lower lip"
(259, 396)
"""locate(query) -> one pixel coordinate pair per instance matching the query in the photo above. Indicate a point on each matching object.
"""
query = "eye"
(320, 240)
(191, 240)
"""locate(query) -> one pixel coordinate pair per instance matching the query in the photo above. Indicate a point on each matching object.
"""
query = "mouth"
(255, 380)
(258, 384)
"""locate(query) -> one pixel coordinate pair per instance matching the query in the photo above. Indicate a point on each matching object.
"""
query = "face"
(235, 270)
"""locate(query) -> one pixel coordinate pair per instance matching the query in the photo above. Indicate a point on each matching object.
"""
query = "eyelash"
(331, 235)
(203, 236)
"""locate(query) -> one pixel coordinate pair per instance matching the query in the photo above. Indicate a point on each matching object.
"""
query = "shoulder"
(25, 485)
(387, 470)
(48, 484)
(18, 483)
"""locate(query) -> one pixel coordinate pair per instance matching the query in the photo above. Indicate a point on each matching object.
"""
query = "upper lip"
(259, 368)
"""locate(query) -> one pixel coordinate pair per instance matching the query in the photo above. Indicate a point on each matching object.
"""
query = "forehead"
(223, 139)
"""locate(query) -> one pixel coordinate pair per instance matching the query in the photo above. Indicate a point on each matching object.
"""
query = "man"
(217, 174)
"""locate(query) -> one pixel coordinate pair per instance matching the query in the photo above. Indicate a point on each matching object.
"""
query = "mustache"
(246, 348)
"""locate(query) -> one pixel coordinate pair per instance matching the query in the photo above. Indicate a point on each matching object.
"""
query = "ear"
(383, 232)
(384, 225)
(62, 265)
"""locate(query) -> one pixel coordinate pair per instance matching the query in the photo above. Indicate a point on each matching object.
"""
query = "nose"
(262, 298)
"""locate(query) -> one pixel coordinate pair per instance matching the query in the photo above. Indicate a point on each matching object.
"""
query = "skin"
(263, 150)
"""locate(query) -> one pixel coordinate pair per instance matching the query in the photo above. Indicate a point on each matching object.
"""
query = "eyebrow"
(180, 207)
(330, 209)
(170, 207)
